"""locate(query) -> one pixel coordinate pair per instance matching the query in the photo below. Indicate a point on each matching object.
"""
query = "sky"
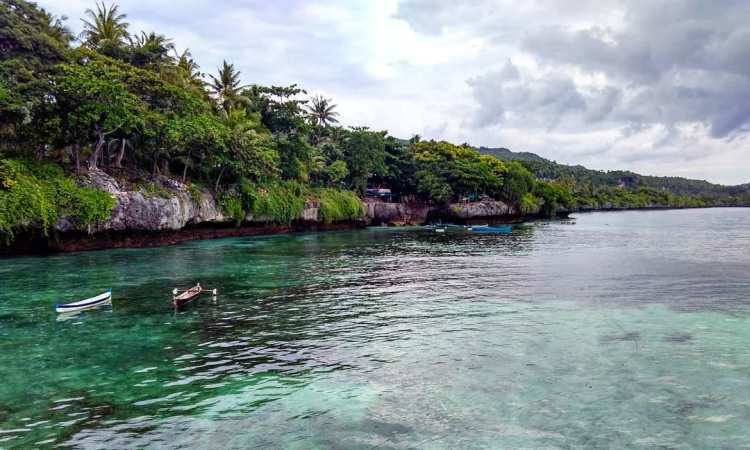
(660, 87)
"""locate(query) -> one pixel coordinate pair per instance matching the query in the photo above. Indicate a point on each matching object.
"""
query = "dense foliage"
(128, 102)
(596, 188)
(40, 193)
(283, 201)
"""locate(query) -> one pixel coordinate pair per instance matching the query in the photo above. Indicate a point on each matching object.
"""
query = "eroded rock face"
(377, 213)
(481, 210)
(136, 211)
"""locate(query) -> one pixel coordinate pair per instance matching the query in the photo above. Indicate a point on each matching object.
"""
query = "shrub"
(36, 194)
(280, 202)
(153, 189)
(231, 204)
(338, 205)
(196, 192)
(529, 203)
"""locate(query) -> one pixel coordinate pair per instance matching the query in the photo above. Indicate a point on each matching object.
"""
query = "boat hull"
(492, 230)
(183, 299)
(93, 302)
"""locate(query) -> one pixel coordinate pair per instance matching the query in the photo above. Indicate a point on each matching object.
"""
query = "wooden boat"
(93, 302)
(492, 229)
(187, 296)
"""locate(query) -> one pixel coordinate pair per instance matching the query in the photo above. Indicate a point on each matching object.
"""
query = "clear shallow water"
(611, 330)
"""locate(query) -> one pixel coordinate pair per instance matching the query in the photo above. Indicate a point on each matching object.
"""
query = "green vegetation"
(282, 202)
(623, 189)
(127, 102)
(37, 194)
(153, 189)
(338, 205)
(279, 202)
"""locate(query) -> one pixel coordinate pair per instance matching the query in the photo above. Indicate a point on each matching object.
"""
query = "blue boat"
(500, 229)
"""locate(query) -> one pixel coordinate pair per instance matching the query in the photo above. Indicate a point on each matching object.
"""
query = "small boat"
(93, 302)
(187, 296)
(492, 229)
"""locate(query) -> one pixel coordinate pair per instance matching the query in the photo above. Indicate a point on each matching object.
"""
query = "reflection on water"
(609, 330)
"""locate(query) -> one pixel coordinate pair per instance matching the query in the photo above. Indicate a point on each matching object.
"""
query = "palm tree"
(56, 28)
(190, 68)
(156, 42)
(105, 26)
(150, 48)
(227, 86)
(322, 111)
(242, 127)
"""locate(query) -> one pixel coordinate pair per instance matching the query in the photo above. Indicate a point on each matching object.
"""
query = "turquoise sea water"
(610, 330)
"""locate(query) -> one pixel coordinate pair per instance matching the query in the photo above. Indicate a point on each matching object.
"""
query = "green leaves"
(33, 194)
(449, 172)
(337, 205)
(104, 28)
(93, 93)
(364, 152)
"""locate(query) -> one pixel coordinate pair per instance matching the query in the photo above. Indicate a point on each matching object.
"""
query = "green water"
(611, 330)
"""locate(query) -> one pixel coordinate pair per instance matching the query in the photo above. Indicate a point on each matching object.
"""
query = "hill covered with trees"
(588, 184)
(128, 103)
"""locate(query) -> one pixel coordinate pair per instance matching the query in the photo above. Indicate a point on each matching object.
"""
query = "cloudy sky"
(656, 86)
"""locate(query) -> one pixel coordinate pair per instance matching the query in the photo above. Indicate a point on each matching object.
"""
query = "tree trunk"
(77, 157)
(97, 148)
(184, 170)
(120, 154)
(40, 152)
(218, 180)
(68, 149)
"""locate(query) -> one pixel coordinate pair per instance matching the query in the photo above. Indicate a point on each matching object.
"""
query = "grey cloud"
(675, 61)
(431, 16)
(601, 104)
(545, 101)
(685, 60)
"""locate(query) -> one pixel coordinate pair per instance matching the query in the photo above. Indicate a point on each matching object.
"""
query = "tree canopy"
(130, 101)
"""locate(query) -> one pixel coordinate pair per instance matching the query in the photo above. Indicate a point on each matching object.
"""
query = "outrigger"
(180, 298)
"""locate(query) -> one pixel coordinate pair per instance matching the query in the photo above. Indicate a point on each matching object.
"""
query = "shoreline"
(33, 243)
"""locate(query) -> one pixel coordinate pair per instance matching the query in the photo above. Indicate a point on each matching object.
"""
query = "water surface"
(610, 330)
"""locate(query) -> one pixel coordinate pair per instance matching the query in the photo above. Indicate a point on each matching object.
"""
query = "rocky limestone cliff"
(136, 211)
(486, 209)
(380, 213)
(172, 213)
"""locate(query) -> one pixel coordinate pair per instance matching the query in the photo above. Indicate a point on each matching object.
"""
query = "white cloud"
(656, 87)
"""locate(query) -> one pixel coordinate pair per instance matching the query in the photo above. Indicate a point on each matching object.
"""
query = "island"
(116, 140)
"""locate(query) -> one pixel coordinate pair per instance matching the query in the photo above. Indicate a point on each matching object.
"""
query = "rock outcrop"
(170, 212)
(381, 213)
(176, 208)
(137, 211)
(482, 210)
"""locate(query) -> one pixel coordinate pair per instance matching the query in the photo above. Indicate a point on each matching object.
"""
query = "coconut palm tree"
(56, 28)
(188, 65)
(106, 26)
(322, 111)
(227, 86)
(150, 49)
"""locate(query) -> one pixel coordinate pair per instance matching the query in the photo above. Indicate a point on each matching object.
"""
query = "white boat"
(93, 302)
